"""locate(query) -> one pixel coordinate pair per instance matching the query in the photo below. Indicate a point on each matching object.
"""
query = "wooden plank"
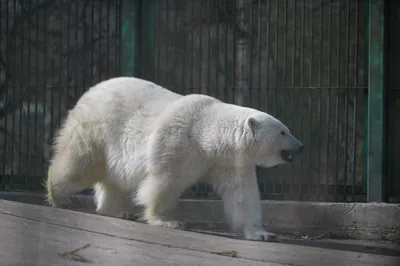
(30, 242)
(278, 253)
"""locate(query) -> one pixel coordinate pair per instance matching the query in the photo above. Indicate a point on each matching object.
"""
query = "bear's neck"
(224, 138)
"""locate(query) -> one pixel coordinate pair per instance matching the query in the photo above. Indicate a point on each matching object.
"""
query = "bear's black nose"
(300, 149)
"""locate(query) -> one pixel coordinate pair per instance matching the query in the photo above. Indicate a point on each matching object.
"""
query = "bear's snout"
(288, 154)
(301, 148)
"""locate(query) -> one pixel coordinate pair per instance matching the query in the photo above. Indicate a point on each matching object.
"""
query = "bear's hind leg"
(111, 201)
(66, 176)
(158, 195)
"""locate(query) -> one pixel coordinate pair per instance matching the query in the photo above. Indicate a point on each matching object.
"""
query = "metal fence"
(303, 61)
(51, 51)
(393, 84)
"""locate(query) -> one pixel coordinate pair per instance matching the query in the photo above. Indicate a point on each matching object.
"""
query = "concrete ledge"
(362, 221)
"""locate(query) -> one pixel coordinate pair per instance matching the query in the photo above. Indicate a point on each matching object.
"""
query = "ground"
(39, 235)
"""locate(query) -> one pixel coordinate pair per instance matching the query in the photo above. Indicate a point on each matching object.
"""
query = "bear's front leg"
(241, 199)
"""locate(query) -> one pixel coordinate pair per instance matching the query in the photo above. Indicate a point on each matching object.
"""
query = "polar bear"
(136, 142)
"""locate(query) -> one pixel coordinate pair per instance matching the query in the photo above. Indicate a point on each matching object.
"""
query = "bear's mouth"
(287, 156)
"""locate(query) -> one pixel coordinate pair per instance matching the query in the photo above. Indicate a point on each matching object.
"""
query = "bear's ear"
(252, 123)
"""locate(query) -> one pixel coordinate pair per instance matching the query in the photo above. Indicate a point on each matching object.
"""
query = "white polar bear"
(136, 142)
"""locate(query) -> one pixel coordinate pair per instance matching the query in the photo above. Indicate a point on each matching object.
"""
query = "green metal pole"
(365, 95)
(376, 85)
(130, 23)
(147, 39)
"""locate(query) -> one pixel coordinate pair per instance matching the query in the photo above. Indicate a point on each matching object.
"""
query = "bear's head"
(271, 141)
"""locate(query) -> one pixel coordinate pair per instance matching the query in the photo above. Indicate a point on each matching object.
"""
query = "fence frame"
(376, 105)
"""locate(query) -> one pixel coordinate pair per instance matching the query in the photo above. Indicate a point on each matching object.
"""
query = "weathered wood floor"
(38, 235)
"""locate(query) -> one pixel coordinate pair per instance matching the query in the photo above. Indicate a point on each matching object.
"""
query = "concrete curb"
(362, 221)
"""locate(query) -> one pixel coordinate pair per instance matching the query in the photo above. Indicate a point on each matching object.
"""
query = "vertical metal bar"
(92, 42)
(267, 72)
(209, 50)
(45, 109)
(119, 6)
(108, 37)
(22, 43)
(320, 92)
(310, 140)
(251, 57)
(328, 107)
(35, 129)
(302, 41)
(50, 87)
(226, 56)
(293, 166)
(276, 38)
(337, 144)
(285, 19)
(259, 53)
(129, 39)
(61, 65)
(192, 54)
(346, 101)
(77, 85)
(233, 99)
(68, 63)
(284, 84)
(28, 87)
(13, 96)
(328, 117)
(376, 96)
(174, 32)
(319, 141)
(337, 139)
(267, 54)
(84, 47)
(6, 96)
(147, 39)
(100, 38)
(354, 147)
(157, 26)
(355, 125)
(217, 51)
(346, 138)
(167, 41)
(310, 135)
(365, 97)
(200, 65)
(184, 55)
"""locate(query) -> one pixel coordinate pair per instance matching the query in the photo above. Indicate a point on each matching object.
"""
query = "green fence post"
(147, 39)
(376, 118)
(130, 25)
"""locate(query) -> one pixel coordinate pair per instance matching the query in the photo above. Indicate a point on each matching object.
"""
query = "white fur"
(136, 142)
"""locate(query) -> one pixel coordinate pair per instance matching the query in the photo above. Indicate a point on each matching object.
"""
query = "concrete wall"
(363, 221)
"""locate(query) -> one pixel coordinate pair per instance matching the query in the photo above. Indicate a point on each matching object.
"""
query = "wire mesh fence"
(51, 51)
(302, 61)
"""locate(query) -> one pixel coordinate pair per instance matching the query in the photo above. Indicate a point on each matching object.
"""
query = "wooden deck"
(38, 235)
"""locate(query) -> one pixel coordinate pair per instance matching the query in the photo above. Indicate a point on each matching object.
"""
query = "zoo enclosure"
(317, 65)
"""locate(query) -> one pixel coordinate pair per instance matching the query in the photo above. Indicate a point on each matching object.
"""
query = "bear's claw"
(259, 234)
(168, 224)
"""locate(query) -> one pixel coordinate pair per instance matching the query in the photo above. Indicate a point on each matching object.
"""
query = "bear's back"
(121, 97)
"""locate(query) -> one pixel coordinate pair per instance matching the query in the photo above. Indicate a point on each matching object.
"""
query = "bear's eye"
(283, 133)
